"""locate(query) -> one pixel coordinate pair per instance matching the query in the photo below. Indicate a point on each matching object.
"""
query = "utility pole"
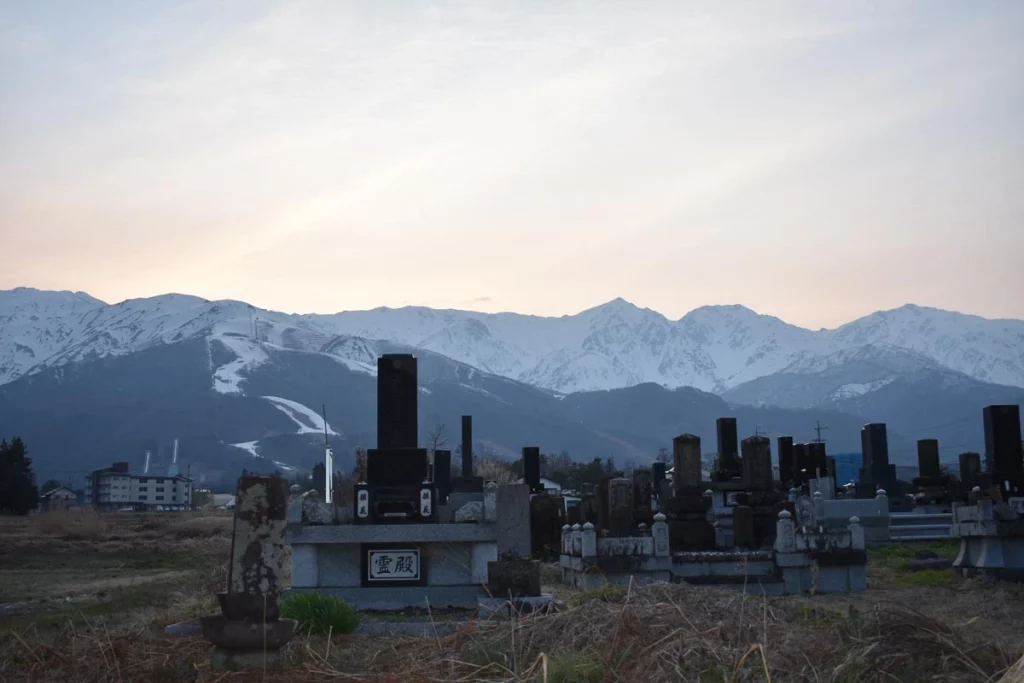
(819, 428)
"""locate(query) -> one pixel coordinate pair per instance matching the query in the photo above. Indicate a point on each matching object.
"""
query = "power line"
(819, 428)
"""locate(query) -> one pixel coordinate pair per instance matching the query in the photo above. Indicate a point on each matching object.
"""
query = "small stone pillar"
(577, 540)
(794, 493)
(589, 542)
(566, 540)
(490, 502)
(659, 531)
(785, 533)
(857, 540)
(883, 501)
(819, 507)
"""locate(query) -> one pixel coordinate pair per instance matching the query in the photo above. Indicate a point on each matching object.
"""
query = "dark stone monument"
(620, 506)
(728, 465)
(467, 446)
(686, 461)
(658, 475)
(818, 458)
(928, 459)
(397, 472)
(466, 482)
(643, 492)
(531, 468)
(397, 406)
(589, 507)
(743, 526)
(804, 466)
(933, 487)
(787, 461)
(876, 471)
(547, 516)
(970, 471)
(757, 464)
(1003, 455)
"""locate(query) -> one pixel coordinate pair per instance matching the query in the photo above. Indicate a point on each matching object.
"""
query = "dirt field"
(85, 597)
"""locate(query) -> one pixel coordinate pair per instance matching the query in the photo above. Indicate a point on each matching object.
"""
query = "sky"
(812, 161)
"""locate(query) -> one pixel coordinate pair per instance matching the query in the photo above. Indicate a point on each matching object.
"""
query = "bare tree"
(438, 438)
(663, 455)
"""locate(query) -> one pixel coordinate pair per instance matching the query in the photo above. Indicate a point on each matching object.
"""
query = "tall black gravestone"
(787, 462)
(1003, 455)
(398, 487)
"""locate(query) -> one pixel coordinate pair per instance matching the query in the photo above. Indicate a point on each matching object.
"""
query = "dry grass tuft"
(83, 523)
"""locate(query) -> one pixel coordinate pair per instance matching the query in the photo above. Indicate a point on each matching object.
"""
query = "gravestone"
(743, 526)
(1003, 449)
(728, 466)
(658, 476)
(876, 472)
(466, 482)
(928, 459)
(643, 492)
(515, 573)
(620, 506)
(531, 468)
(970, 470)
(757, 464)
(248, 632)
(686, 460)
(547, 517)
(589, 508)
(804, 467)
(787, 461)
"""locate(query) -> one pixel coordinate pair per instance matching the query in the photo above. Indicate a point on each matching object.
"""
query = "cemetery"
(450, 576)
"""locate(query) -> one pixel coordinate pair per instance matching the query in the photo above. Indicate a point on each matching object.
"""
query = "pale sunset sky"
(815, 161)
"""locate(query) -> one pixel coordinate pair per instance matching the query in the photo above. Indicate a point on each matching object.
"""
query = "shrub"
(320, 614)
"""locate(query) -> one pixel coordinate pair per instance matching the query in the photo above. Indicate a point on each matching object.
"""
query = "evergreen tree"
(320, 478)
(18, 492)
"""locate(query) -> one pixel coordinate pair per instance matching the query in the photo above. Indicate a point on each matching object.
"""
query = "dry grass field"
(85, 597)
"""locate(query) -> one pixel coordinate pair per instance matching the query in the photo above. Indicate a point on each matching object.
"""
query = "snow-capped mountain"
(713, 348)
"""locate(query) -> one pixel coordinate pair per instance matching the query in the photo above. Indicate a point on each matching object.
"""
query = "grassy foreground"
(84, 597)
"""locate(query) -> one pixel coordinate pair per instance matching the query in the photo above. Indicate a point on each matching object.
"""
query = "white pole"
(329, 483)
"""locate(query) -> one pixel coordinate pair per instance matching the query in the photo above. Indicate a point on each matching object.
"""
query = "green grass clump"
(605, 593)
(576, 667)
(928, 577)
(320, 614)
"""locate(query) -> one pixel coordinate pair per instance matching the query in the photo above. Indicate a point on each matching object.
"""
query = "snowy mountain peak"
(615, 344)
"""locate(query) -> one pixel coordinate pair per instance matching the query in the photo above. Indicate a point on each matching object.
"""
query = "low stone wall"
(825, 560)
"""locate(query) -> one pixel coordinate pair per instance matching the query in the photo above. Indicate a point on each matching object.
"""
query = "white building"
(115, 487)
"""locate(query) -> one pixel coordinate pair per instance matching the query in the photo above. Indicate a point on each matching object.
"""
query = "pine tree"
(18, 492)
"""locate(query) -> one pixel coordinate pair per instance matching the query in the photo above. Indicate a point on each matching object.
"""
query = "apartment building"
(116, 488)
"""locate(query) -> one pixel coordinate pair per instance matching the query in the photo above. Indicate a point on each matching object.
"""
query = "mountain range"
(237, 384)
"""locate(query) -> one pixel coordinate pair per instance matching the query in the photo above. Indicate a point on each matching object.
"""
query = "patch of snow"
(227, 379)
(855, 389)
(250, 447)
(310, 422)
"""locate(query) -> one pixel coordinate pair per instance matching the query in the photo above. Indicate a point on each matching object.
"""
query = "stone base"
(513, 578)
(225, 660)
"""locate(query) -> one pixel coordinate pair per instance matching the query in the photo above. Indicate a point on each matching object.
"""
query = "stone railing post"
(295, 504)
(589, 542)
(794, 493)
(785, 533)
(490, 502)
(857, 541)
(567, 540)
(577, 540)
(819, 508)
(659, 531)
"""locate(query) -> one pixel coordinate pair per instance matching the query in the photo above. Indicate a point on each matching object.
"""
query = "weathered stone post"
(566, 540)
(659, 531)
(588, 542)
(857, 540)
(248, 633)
(515, 573)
